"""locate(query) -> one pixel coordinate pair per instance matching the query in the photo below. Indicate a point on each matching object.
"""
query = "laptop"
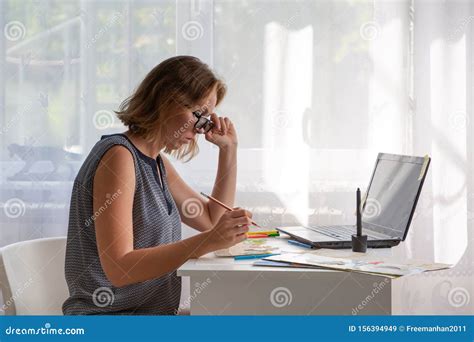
(387, 209)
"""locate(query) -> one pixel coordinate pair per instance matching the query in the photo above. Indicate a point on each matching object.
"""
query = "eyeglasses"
(202, 122)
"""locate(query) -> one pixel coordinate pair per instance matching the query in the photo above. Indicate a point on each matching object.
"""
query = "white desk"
(223, 286)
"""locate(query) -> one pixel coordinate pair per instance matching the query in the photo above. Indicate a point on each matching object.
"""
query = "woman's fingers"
(241, 221)
(223, 126)
(216, 120)
(242, 230)
(239, 212)
(241, 237)
(228, 123)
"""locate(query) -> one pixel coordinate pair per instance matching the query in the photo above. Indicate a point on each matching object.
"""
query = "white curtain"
(442, 126)
(316, 90)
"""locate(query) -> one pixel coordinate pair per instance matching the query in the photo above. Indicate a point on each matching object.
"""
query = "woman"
(124, 239)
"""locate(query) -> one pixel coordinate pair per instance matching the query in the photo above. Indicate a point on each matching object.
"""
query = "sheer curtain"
(442, 126)
(316, 90)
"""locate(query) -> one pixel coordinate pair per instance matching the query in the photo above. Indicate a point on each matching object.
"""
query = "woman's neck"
(148, 149)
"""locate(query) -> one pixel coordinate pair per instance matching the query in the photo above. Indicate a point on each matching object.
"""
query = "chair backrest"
(32, 277)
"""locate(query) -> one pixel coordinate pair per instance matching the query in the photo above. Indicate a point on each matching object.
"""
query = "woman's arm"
(114, 188)
(225, 137)
(189, 201)
(225, 183)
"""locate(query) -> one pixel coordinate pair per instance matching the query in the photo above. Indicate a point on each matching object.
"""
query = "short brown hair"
(182, 80)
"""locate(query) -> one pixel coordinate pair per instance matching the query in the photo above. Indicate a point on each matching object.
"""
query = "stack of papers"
(369, 264)
(248, 247)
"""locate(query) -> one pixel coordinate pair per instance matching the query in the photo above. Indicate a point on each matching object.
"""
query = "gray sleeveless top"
(156, 221)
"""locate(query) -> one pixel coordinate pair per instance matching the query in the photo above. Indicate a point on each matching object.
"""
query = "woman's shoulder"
(116, 165)
(114, 151)
(117, 154)
(106, 141)
(113, 142)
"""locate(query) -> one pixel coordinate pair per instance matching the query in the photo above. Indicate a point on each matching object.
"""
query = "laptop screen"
(393, 192)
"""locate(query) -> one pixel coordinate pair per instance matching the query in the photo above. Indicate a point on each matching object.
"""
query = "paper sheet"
(248, 247)
(372, 265)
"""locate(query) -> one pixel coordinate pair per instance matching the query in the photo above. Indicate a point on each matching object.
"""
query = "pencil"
(267, 232)
(253, 256)
(223, 205)
(260, 236)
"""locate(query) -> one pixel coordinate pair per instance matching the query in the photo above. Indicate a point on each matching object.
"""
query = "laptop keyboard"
(338, 232)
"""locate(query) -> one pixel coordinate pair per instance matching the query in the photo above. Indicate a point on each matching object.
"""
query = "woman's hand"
(223, 133)
(231, 229)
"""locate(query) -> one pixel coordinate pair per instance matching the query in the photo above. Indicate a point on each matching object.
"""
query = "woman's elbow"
(114, 274)
(118, 280)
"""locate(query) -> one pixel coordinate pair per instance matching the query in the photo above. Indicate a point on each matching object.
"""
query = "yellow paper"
(423, 168)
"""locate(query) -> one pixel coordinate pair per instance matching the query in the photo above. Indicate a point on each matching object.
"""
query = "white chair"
(32, 277)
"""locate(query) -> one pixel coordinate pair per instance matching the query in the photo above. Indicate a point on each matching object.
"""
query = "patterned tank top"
(156, 221)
